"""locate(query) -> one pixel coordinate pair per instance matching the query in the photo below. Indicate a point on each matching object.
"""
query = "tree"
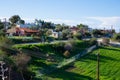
(21, 61)
(14, 19)
(49, 32)
(59, 27)
(82, 26)
(22, 22)
(116, 37)
(92, 41)
(1, 25)
(78, 36)
(65, 34)
(42, 24)
(97, 33)
(38, 23)
(2, 31)
(2, 55)
(5, 45)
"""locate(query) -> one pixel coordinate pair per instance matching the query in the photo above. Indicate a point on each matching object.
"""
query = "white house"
(55, 34)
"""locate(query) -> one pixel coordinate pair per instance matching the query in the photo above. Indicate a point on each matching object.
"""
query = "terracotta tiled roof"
(26, 30)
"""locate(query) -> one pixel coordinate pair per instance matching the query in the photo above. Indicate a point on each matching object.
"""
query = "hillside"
(85, 68)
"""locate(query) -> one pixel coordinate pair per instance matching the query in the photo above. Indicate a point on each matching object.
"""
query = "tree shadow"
(65, 75)
(39, 64)
(93, 57)
(110, 48)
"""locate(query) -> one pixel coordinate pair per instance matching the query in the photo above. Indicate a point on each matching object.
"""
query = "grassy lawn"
(37, 64)
(55, 51)
(85, 68)
(23, 39)
(20, 37)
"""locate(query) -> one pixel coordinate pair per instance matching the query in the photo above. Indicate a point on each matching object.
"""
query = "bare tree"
(21, 61)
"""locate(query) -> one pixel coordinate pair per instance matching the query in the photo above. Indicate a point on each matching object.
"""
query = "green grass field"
(56, 48)
(85, 68)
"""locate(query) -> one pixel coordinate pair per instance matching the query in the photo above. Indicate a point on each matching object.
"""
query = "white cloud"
(71, 22)
(93, 22)
(28, 20)
(60, 21)
(107, 21)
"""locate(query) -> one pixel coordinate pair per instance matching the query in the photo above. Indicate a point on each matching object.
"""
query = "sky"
(95, 13)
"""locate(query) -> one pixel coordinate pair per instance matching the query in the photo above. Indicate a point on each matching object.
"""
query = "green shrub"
(116, 37)
(66, 54)
(57, 48)
(93, 41)
(78, 36)
(68, 46)
(18, 40)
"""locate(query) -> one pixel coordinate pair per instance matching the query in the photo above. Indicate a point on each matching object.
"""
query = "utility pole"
(98, 59)
(3, 70)
(5, 23)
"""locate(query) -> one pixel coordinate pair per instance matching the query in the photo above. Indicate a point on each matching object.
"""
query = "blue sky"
(95, 13)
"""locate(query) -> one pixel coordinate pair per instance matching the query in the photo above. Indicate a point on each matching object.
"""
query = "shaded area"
(64, 75)
(103, 58)
(114, 49)
(94, 58)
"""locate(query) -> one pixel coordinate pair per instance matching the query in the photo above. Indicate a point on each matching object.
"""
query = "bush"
(50, 39)
(68, 46)
(116, 37)
(58, 48)
(66, 54)
(2, 33)
(18, 40)
(78, 36)
(105, 41)
(87, 34)
(93, 41)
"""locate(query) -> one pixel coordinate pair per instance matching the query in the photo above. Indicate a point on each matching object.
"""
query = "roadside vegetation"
(15, 60)
(51, 54)
(24, 39)
(58, 48)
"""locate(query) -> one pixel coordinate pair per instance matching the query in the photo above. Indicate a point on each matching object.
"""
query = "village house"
(18, 31)
(55, 34)
(108, 33)
(74, 30)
